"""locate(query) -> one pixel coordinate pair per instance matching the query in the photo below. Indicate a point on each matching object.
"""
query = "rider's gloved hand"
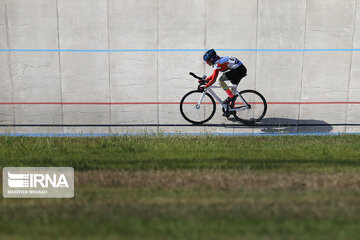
(202, 83)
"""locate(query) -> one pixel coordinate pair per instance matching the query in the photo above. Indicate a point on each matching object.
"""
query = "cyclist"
(234, 70)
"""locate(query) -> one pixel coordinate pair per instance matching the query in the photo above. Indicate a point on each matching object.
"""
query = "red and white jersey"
(227, 63)
(223, 64)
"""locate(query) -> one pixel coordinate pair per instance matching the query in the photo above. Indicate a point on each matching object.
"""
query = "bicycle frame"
(212, 93)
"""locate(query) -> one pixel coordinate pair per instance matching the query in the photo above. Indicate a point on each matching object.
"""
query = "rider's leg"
(234, 89)
(236, 75)
(224, 86)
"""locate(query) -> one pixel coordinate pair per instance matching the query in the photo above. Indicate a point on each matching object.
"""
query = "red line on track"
(150, 103)
(313, 103)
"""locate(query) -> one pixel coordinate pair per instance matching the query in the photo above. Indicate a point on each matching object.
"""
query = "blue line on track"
(168, 134)
(182, 50)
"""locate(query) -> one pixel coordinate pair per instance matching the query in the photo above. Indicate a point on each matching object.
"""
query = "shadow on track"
(288, 125)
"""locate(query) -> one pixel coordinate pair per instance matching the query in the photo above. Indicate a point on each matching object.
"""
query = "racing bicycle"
(198, 106)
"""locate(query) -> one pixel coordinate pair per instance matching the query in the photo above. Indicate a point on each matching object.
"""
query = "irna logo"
(38, 182)
(16, 180)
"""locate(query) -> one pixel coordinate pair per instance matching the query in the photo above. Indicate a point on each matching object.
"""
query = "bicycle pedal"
(227, 113)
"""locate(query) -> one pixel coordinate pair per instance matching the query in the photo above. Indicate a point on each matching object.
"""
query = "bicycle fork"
(200, 100)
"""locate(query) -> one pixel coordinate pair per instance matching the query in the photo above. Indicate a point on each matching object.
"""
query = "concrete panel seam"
(256, 44)
(302, 66)
(109, 69)
(205, 33)
(350, 67)
(157, 66)
(256, 41)
(59, 59)
(9, 62)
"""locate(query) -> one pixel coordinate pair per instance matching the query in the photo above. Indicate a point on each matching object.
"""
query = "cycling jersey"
(227, 63)
(222, 65)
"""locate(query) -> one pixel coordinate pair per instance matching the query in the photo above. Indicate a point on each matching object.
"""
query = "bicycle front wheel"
(256, 109)
(197, 107)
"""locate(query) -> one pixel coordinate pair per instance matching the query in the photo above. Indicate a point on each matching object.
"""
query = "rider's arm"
(211, 79)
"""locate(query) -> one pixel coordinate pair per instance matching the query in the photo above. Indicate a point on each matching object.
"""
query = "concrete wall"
(112, 77)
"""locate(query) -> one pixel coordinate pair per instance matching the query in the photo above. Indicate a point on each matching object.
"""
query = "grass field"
(158, 187)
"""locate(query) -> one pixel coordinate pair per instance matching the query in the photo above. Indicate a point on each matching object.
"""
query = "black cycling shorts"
(236, 74)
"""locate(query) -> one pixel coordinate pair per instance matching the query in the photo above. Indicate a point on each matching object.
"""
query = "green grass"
(170, 153)
(158, 187)
(158, 212)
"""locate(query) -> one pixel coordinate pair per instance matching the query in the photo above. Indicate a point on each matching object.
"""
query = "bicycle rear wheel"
(194, 113)
(257, 107)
